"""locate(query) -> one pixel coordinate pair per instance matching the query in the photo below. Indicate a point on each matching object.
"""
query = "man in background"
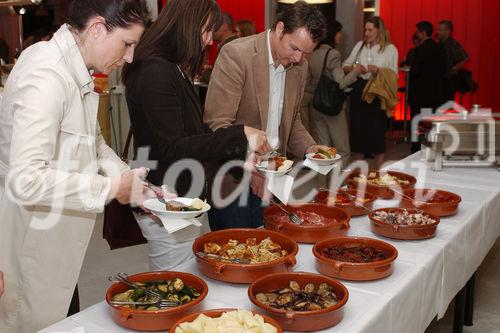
(456, 57)
(427, 74)
(225, 33)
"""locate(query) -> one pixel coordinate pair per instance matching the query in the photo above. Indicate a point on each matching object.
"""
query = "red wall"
(475, 27)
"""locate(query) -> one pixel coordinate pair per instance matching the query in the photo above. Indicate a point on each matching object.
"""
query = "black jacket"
(166, 115)
(427, 73)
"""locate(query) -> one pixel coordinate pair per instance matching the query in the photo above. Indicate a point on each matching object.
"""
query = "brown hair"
(246, 28)
(176, 34)
(383, 37)
(301, 14)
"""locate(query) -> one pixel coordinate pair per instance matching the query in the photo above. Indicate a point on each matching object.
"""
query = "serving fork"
(294, 218)
(123, 278)
(160, 304)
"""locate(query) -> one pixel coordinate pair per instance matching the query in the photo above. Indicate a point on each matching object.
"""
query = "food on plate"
(262, 252)
(430, 197)
(170, 290)
(342, 198)
(384, 180)
(326, 154)
(308, 218)
(232, 321)
(297, 298)
(355, 253)
(403, 217)
(279, 163)
(176, 206)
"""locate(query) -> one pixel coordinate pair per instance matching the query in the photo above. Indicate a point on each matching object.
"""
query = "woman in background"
(56, 172)
(331, 131)
(368, 122)
(167, 117)
(244, 28)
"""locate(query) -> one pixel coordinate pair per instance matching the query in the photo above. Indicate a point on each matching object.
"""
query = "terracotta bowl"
(300, 321)
(405, 232)
(382, 191)
(240, 273)
(274, 219)
(216, 313)
(160, 320)
(329, 198)
(425, 200)
(355, 271)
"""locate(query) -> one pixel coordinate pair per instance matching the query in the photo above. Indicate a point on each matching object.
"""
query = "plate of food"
(178, 208)
(324, 157)
(276, 166)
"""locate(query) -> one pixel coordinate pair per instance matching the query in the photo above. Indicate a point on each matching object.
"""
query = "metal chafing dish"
(460, 140)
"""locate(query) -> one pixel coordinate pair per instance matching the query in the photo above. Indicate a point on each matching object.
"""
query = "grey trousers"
(331, 131)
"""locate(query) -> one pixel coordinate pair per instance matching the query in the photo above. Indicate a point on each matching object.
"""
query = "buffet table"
(427, 275)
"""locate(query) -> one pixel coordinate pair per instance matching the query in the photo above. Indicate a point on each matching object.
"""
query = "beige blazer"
(239, 92)
(52, 150)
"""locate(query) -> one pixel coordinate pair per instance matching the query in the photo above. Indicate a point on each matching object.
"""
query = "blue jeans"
(235, 216)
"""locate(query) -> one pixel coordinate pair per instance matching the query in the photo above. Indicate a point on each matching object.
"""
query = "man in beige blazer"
(259, 81)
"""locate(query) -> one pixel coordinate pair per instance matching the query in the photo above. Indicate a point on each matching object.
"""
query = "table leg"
(469, 300)
(458, 313)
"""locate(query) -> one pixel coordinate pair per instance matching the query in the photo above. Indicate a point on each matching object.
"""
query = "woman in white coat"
(56, 172)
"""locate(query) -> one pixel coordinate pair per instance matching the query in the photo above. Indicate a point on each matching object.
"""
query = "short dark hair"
(117, 13)
(301, 14)
(448, 24)
(425, 26)
(227, 19)
(333, 29)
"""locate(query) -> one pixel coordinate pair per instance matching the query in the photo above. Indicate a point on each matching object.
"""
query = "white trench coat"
(51, 152)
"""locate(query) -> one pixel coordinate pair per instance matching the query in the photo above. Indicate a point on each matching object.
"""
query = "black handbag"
(120, 227)
(328, 98)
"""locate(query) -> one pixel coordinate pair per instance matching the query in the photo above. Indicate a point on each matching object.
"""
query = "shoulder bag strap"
(356, 60)
(324, 61)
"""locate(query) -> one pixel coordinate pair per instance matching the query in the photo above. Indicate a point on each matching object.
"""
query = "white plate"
(262, 167)
(160, 208)
(322, 161)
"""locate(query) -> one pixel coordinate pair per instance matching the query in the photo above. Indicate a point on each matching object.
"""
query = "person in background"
(456, 57)
(223, 35)
(56, 172)
(368, 121)
(167, 117)
(328, 130)
(259, 81)
(40, 35)
(244, 28)
(427, 73)
(4, 51)
(411, 53)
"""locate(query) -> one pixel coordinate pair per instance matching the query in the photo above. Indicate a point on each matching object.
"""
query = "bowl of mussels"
(154, 301)
(301, 302)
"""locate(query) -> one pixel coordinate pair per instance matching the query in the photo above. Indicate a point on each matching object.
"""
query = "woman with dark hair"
(167, 117)
(56, 172)
(328, 130)
(368, 121)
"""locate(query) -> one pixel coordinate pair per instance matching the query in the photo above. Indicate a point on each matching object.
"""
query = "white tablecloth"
(427, 274)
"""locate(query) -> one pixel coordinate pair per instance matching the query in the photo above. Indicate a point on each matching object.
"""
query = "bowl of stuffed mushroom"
(300, 302)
